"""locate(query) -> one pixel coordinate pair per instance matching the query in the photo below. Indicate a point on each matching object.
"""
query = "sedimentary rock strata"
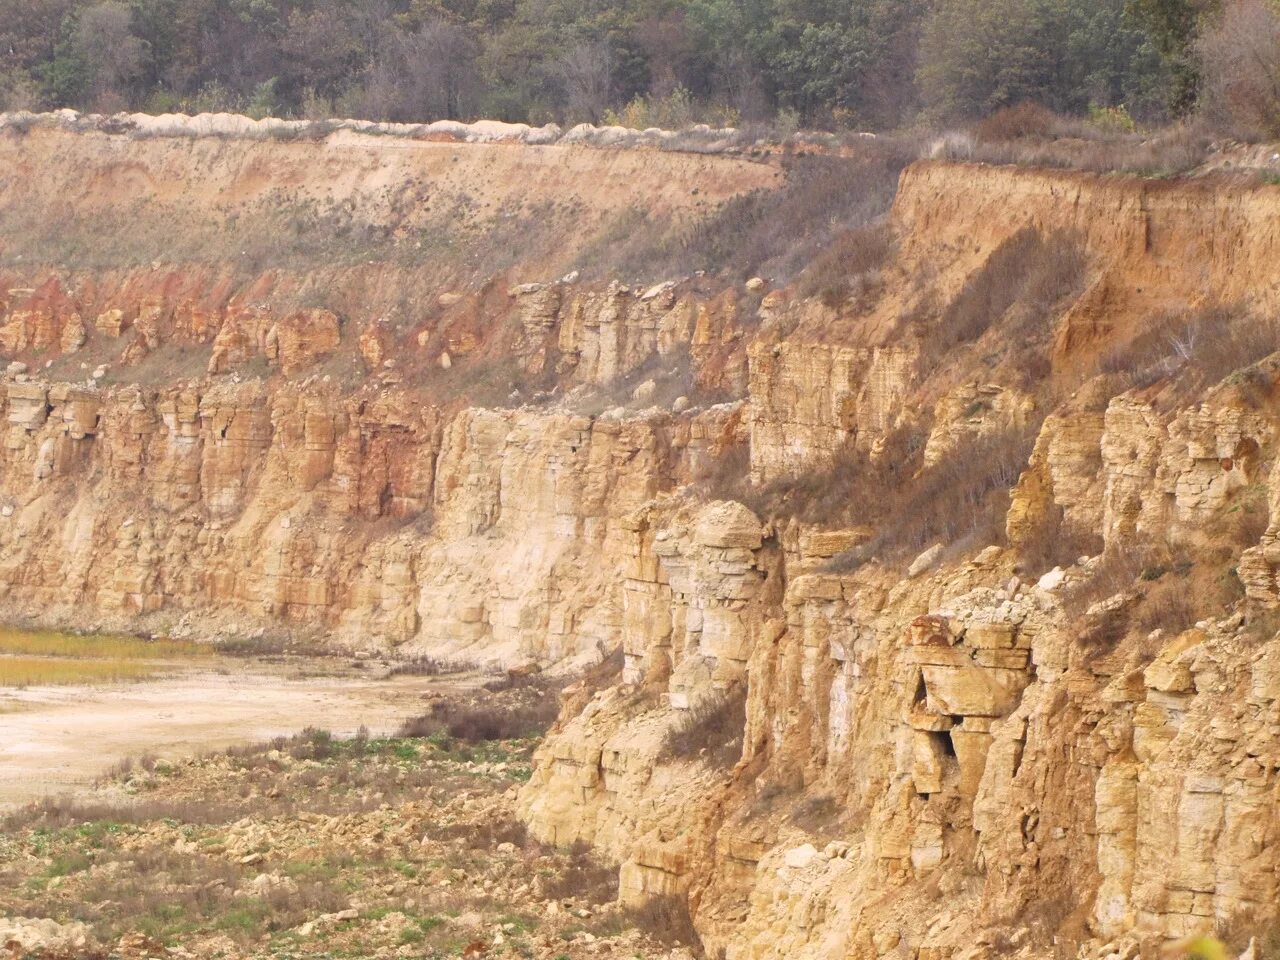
(1050, 729)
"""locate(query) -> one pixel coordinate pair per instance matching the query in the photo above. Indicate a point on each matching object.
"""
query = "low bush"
(423, 667)
(1056, 543)
(1170, 588)
(488, 834)
(774, 232)
(1194, 349)
(852, 488)
(849, 267)
(667, 920)
(513, 708)
(960, 502)
(1018, 122)
(1239, 54)
(711, 729)
(585, 877)
(821, 815)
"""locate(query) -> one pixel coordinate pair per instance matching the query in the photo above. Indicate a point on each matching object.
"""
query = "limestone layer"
(966, 750)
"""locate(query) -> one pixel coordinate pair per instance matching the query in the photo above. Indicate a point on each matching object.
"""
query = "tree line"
(868, 64)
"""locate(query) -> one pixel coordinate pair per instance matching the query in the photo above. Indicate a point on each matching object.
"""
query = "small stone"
(755, 284)
(1052, 580)
(885, 940)
(925, 561)
(800, 857)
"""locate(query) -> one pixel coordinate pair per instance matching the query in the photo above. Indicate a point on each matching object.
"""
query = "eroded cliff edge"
(944, 586)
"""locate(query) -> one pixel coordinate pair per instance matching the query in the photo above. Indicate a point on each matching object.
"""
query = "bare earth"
(57, 740)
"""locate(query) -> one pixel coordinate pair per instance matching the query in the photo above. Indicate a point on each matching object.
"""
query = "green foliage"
(263, 103)
(842, 63)
(1112, 119)
(980, 55)
(1173, 26)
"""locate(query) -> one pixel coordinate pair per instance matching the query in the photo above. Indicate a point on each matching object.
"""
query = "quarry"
(911, 594)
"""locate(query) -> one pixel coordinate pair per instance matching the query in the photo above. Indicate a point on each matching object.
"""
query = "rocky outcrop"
(809, 399)
(367, 515)
(1047, 726)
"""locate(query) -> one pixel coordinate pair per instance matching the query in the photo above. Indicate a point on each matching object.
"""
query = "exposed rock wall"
(981, 771)
(369, 515)
(959, 763)
(973, 752)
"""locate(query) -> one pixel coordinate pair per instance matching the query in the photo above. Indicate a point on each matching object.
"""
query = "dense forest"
(866, 64)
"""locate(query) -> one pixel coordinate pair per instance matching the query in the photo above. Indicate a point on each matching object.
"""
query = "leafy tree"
(1173, 26)
(980, 55)
(864, 63)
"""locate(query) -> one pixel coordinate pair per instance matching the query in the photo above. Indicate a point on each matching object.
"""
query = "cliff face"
(983, 755)
(1023, 696)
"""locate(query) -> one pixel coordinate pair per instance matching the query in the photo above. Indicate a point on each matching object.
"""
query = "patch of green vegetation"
(67, 863)
(518, 922)
(243, 916)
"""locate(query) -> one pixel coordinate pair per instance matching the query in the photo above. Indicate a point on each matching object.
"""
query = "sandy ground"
(56, 740)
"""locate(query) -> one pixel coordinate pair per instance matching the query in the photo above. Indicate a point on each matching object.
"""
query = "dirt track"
(58, 739)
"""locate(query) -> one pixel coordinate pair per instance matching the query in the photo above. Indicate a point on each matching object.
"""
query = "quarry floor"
(312, 846)
(60, 739)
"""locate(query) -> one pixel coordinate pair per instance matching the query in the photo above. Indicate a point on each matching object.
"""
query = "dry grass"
(97, 646)
(1031, 136)
(1193, 349)
(417, 839)
(672, 375)
(49, 671)
(711, 729)
(114, 864)
(46, 657)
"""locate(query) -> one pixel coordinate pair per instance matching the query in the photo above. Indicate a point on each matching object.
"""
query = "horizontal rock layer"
(967, 752)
